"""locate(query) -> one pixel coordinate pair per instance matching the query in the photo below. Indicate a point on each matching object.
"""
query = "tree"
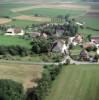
(11, 90)
(40, 45)
(89, 37)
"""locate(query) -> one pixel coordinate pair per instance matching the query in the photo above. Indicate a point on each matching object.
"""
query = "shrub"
(10, 90)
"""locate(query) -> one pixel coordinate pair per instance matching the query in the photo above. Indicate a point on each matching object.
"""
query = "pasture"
(22, 73)
(8, 40)
(79, 82)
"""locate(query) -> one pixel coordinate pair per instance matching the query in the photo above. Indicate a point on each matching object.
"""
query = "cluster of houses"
(59, 45)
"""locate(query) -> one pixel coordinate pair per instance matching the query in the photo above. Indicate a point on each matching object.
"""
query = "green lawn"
(52, 12)
(8, 40)
(76, 82)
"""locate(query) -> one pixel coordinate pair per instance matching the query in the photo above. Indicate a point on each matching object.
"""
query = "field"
(15, 10)
(8, 40)
(25, 74)
(79, 82)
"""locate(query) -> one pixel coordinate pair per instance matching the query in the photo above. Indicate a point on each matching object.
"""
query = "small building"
(15, 31)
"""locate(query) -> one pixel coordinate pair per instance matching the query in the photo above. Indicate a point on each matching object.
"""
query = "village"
(63, 42)
(49, 50)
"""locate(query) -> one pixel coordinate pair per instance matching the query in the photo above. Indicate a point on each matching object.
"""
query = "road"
(49, 63)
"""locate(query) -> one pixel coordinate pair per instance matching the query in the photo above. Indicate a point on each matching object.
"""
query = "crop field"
(79, 82)
(8, 40)
(25, 74)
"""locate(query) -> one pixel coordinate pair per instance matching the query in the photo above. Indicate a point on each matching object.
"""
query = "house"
(97, 52)
(35, 34)
(84, 55)
(95, 39)
(77, 39)
(38, 34)
(59, 46)
(15, 31)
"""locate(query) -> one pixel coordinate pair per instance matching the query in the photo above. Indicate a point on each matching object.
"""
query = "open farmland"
(25, 74)
(7, 40)
(79, 82)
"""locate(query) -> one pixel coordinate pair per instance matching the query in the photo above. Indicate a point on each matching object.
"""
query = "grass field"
(52, 12)
(8, 40)
(79, 82)
(25, 74)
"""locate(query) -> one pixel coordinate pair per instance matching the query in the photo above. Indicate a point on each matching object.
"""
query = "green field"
(76, 82)
(8, 40)
(52, 12)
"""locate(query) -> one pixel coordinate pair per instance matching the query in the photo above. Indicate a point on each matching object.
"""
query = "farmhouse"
(14, 31)
(59, 46)
(84, 54)
(78, 39)
(95, 39)
(38, 34)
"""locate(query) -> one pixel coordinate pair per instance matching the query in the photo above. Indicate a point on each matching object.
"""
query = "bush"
(10, 90)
